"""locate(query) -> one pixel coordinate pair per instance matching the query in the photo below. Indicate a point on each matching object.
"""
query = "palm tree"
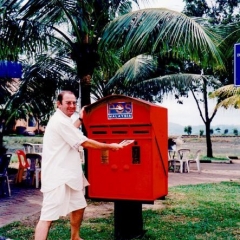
(164, 33)
(78, 25)
(20, 41)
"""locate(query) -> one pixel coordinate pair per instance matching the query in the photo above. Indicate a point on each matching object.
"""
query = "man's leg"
(42, 228)
(76, 218)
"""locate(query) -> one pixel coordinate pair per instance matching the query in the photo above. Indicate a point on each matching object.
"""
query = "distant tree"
(226, 131)
(235, 132)
(188, 130)
(201, 132)
(196, 8)
(211, 131)
(219, 12)
(218, 130)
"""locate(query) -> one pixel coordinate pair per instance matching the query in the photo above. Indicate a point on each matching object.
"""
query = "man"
(62, 178)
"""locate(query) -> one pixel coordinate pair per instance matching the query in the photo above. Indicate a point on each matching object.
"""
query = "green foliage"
(219, 12)
(235, 131)
(19, 140)
(195, 8)
(215, 159)
(201, 132)
(223, 16)
(225, 131)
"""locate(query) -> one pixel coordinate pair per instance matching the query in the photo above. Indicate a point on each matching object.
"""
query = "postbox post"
(128, 221)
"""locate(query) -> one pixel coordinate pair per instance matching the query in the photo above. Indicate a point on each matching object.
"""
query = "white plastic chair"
(196, 159)
(32, 147)
(34, 168)
(28, 148)
(37, 147)
(183, 157)
(171, 159)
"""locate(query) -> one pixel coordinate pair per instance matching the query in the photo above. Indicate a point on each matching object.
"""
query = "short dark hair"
(61, 94)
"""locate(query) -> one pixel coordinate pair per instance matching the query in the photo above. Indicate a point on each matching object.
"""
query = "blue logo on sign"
(237, 65)
(120, 110)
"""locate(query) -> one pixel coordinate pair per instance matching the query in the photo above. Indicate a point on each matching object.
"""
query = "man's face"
(68, 105)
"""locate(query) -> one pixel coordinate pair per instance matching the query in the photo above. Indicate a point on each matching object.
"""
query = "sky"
(187, 113)
(176, 5)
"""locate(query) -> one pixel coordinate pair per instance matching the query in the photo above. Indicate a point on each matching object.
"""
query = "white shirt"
(61, 163)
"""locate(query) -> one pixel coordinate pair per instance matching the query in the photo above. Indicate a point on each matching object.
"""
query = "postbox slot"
(119, 125)
(119, 132)
(141, 132)
(99, 132)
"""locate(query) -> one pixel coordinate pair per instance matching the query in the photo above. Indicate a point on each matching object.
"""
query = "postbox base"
(128, 221)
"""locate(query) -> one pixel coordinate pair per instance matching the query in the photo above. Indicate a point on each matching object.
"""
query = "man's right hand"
(115, 146)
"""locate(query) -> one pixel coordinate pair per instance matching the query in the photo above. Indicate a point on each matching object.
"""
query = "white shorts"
(61, 201)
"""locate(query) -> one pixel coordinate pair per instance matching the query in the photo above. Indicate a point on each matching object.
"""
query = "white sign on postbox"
(120, 110)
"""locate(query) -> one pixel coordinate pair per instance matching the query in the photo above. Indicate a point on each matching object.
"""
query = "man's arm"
(90, 143)
(78, 122)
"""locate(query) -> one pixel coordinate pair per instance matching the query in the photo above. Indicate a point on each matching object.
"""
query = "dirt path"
(210, 172)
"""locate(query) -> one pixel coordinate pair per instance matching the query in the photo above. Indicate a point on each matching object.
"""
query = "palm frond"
(135, 70)
(226, 91)
(233, 101)
(228, 96)
(230, 35)
(165, 32)
(173, 83)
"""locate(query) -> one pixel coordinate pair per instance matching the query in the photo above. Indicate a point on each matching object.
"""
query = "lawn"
(204, 211)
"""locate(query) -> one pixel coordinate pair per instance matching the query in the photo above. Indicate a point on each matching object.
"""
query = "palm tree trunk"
(208, 139)
(207, 120)
(85, 83)
(205, 116)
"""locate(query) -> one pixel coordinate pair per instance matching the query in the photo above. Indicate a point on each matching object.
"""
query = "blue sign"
(237, 65)
(120, 110)
(9, 69)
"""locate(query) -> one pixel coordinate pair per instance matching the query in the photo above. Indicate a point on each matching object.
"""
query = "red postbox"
(139, 171)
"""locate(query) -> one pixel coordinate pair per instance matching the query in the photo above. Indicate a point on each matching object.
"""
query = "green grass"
(220, 158)
(204, 211)
(19, 140)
